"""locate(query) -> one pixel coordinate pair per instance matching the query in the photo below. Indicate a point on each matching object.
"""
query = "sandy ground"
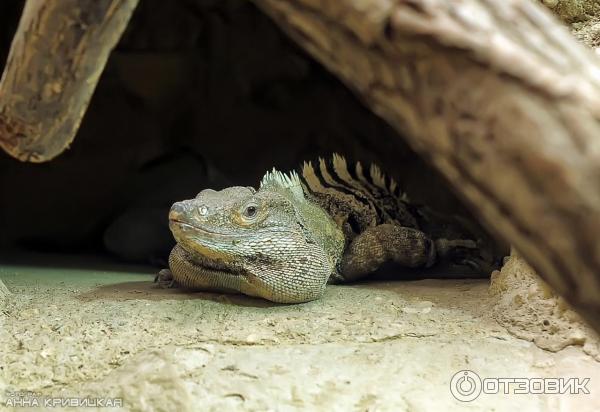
(388, 346)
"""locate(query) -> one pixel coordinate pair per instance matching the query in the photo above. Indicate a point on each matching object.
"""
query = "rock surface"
(529, 309)
(384, 346)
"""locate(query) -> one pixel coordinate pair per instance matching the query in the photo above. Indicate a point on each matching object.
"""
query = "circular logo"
(465, 385)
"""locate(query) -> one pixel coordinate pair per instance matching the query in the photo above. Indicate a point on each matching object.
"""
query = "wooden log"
(56, 58)
(498, 96)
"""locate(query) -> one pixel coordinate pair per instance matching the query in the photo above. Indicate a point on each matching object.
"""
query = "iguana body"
(331, 222)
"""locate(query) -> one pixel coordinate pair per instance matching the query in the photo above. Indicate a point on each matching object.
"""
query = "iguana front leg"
(386, 243)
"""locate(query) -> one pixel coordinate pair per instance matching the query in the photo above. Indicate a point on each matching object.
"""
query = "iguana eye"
(250, 211)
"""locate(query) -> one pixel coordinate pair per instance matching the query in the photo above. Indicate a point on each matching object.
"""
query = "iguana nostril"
(202, 210)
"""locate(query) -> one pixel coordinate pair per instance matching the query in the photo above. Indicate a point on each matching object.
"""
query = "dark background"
(197, 94)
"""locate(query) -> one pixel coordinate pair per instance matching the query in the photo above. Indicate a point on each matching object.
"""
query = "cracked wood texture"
(498, 96)
(55, 61)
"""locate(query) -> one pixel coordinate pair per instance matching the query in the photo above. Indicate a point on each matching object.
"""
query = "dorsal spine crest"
(281, 181)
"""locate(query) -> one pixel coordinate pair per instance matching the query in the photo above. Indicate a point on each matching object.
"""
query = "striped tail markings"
(319, 181)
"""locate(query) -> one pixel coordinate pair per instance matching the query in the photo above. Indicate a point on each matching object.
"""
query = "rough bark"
(498, 96)
(55, 61)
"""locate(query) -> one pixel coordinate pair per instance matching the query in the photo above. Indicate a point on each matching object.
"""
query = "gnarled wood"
(55, 61)
(498, 96)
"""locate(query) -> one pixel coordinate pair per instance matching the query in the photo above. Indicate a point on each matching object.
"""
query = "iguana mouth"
(203, 230)
(180, 223)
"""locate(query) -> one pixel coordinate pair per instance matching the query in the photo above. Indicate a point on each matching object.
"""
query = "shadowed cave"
(198, 94)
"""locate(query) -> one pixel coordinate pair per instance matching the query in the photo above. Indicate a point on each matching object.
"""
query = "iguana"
(331, 222)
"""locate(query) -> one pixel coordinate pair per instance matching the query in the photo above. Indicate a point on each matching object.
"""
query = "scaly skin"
(286, 241)
(273, 243)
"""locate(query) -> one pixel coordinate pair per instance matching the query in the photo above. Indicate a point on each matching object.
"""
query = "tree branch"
(55, 61)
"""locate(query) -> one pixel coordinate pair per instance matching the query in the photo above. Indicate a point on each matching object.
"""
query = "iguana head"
(276, 244)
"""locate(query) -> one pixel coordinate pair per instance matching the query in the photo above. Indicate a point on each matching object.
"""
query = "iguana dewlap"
(284, 242)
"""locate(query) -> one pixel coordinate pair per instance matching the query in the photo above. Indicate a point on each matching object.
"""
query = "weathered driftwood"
(55, 61)
(498, 96)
